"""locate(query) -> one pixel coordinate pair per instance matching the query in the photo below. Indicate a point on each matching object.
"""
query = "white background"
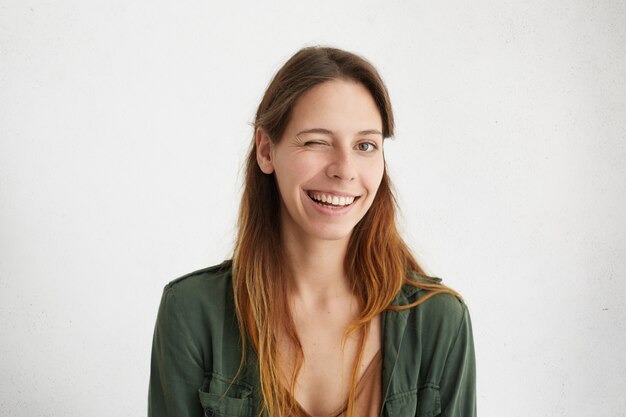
(124, 124)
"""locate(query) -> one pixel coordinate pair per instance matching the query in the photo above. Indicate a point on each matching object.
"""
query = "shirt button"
(209, 413)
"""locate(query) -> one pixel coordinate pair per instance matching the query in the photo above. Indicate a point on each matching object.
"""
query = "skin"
(333, 144)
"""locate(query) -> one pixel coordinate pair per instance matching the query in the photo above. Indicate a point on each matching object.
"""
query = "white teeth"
(334, 200)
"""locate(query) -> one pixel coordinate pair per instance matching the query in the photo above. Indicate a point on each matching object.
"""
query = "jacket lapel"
(394, 326)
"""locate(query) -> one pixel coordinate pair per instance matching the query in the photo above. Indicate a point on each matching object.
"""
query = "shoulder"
(202, 295)
(203, 276)
(443, 313)
(206, 281)
(433, 328)
(437, 348)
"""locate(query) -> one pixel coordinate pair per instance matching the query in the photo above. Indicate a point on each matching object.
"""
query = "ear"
(264, 151)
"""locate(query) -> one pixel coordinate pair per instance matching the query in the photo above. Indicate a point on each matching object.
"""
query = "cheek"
(373, 175)
(291, 174)
(305, 167)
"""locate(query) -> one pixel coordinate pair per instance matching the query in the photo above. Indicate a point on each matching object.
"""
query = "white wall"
(123, 127)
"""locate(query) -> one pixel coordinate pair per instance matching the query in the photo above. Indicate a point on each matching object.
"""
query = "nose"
(341, 165)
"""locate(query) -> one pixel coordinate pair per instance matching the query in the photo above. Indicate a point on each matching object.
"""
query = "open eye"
(366, 147)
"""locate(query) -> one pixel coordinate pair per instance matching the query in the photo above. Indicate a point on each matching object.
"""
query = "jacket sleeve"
(177, 369)
(458, 382)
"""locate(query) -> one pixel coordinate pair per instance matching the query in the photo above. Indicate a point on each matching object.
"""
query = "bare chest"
(323, 383)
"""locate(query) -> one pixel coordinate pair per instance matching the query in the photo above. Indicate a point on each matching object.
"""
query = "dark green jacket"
(428, 354)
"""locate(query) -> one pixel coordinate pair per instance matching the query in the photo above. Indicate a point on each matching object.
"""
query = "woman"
(323, 310)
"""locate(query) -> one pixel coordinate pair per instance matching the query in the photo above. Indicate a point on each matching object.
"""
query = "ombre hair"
(377, 263)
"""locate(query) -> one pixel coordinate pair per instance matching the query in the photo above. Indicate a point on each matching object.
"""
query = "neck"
(316, 268)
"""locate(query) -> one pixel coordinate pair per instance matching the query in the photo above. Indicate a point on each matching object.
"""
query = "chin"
(331, 233)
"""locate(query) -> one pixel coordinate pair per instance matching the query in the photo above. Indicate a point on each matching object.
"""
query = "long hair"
(376, 253)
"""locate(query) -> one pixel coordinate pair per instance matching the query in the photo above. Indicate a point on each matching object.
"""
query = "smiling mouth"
(330, 201)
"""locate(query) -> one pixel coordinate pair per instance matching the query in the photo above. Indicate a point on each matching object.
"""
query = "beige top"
(368, 393)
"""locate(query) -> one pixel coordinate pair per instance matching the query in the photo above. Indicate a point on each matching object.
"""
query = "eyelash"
(373, 145)
(314, 142)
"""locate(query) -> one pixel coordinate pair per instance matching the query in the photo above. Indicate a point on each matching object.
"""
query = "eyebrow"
(329, 132)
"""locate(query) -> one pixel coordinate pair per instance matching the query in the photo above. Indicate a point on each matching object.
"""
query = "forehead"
(336, 105)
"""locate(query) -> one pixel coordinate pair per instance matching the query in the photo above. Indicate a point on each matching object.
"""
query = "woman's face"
(329, 163)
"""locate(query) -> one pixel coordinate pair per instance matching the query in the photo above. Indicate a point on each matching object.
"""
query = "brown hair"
(376, 253)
